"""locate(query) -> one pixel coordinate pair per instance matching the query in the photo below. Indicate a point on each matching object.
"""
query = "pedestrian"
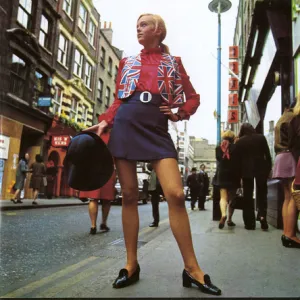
(105, 194)
(203, 177)
(227, 176)
(148, 86)
(153, 189)
(289, 211)
(22, 171)
(37, 180)
(256, 163)
(195, 186)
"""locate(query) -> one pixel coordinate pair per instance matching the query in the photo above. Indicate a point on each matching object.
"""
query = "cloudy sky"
(192, 34)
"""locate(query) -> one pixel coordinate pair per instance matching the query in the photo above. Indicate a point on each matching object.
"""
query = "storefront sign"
(233, 84)
(233, 116)
(234, 67)
(44, 101)
(60, 141)
(4, 146)
(233, 52)
(233, 100)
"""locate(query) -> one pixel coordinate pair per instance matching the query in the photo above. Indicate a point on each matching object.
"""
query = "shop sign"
(233, 84)
(4, 146)
(234, 67)
(233, 100)
(233, 116)
(233, 52)
(44, 101)
(60, 140)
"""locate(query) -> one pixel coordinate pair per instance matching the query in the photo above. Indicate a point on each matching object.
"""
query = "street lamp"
(219, 6)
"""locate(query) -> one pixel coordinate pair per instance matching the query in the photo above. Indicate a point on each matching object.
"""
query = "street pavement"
(242, 263)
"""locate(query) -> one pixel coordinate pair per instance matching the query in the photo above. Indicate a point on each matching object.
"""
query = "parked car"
(143, 195)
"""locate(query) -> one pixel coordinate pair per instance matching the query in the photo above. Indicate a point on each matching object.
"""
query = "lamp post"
(219, 6)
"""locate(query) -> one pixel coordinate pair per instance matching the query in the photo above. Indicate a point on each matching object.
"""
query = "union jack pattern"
(169, 79)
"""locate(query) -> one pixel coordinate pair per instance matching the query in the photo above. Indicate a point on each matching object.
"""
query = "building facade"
(28, 32)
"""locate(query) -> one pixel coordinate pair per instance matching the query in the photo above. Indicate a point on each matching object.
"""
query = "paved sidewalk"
(242, 263)
(42, 203)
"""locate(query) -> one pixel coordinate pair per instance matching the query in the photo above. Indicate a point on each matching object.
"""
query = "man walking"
(203, 178)
(194, 186)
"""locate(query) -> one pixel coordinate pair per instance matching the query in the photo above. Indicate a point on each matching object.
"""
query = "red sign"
(60, 140)
(233, 116)
(233, 84)
(233, 52)
(233, 100)
(234, 67)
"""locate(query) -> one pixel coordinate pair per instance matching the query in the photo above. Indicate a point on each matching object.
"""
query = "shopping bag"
(238, 201)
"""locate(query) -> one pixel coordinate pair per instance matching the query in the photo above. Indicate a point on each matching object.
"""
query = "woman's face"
(146, 33)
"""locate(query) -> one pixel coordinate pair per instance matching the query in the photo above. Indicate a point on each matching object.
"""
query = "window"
(84, 114)
(78, 63)
(67, 6)
(102, 56)
(107, 96)
(82, 17)
(110, 66)
(39, 84)
(18, 76)
(62, 50)
(91, 36)
(57, 100)
(44, 32)
(116, 72)
(100, 90)
(24, 13)
(88, 74)
(74, 109)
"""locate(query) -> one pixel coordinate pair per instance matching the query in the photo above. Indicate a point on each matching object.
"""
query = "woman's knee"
(175, 196)
(130, 196)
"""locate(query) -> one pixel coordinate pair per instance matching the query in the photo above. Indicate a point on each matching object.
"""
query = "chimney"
(108, 32)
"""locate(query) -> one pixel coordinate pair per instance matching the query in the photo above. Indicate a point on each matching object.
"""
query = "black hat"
(89, 162)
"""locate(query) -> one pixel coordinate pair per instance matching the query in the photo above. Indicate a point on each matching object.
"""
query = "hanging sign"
(60, 140)
(233, 116)
(233, 52)
(233, 100)
(233, 84)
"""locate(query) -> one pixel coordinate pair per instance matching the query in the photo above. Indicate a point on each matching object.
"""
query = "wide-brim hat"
(89, 162)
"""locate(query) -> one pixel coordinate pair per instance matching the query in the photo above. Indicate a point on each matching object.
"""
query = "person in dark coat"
(38, 170)
(203, 178)
(256, 163)
(22, 171)
(195, 186)
(227, 175)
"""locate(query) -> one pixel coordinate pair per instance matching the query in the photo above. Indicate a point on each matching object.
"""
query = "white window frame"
(25, 9)
(44, 31)
(84, 115)
(74, 111)
(107, 95)
(91, 35)
(102, 55)
(100, 89)
(67, 7)
(82, 20)
(78, 65)
(64, 52)
(58, 102)
(88, 74)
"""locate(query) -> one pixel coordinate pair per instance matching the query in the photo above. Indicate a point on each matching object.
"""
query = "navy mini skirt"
(140, 130)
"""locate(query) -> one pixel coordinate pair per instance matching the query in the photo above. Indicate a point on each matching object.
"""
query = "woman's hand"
(98, 129)
(167, 111)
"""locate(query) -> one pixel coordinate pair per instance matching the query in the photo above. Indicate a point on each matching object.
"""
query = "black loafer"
(93, 230)
(123, 280)
(289, 243)
(263, 224)
(207, 287)
(153, 224)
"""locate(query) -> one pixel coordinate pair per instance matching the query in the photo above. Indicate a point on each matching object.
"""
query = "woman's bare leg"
(287, 197)
(223, 202)
(93, 212)
(130, 218)
(179, 221)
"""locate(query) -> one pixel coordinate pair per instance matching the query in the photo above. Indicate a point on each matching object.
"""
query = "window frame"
(76, 63)
(102, 56)
(88, 77)
(80, 20)
(100, 91)
(69, 6)
(42, 31)
(110, 65)
(25, 11)
(76, 109)
(85, 110)
(55, 101)
(18, 77)
(64, 52)
(91, 35)
(107, 96)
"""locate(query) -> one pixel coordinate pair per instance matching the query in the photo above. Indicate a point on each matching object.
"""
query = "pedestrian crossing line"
(37, 284)
(67, 283)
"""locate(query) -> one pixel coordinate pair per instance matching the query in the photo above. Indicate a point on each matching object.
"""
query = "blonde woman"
(148, 86)
(227, 176)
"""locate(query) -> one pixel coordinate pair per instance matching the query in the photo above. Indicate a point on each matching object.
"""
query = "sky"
(192, 33)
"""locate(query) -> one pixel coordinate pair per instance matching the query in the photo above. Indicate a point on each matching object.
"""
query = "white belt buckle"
(149, 97)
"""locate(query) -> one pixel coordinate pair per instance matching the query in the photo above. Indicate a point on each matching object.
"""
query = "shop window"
(25, 13)
(78, 63)
(100, 90)
(110, 66)
(18, 74)
(44, 32)
(62, 52)
(74, 109)
(102, 56)
(57, 100)
(82, 19)
(67, 7)
(91, 36)
(107, 96)
(88, 75)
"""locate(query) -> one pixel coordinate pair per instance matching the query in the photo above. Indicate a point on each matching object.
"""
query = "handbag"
(45, 181)
(238, 201)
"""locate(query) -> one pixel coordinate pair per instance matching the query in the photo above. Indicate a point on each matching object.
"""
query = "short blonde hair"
(228, 134)
(296, 109)
(159, 23)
